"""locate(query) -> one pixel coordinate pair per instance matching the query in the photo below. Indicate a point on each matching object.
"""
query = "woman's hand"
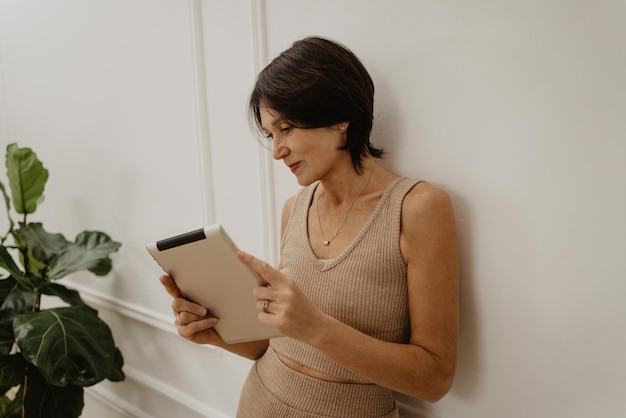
(287, 309)
(191, 320)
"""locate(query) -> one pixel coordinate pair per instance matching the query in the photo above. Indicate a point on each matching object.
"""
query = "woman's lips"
(294, 167)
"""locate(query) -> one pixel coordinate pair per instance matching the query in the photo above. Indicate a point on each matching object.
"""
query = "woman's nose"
(279, 150)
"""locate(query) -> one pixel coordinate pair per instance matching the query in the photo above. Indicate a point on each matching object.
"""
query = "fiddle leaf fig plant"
(48, 355)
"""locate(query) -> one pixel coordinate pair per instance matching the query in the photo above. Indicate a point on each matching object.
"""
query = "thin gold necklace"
(317, 206)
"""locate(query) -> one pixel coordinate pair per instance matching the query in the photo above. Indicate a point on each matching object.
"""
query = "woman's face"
(311, 154)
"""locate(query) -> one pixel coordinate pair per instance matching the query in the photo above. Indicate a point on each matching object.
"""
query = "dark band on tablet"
(181, 239)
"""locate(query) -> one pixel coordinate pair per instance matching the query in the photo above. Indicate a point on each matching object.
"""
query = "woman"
(366, 292)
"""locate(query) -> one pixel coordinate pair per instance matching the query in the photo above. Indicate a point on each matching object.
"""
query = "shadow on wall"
(468, 365)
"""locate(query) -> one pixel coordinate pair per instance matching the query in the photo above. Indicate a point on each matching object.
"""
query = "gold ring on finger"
(266, 304)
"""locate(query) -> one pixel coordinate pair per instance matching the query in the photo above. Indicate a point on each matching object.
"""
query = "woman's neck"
(348, 185)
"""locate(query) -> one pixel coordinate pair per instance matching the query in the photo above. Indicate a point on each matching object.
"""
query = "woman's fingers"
(269, 274)
(193, 322)
(193, 328)
(184, 305)
(183, 318)
(186, 312)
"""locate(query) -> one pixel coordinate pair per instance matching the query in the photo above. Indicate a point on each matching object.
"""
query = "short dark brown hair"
(316, 83)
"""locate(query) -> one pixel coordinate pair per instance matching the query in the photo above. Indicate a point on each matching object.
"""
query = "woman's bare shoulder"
(428, 221)
(425, 199)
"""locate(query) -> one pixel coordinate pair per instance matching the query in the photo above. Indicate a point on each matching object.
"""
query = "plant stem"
(35, 308)
(36, 302)
(25, 387)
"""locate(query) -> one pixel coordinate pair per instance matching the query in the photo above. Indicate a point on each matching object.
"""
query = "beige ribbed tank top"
(364, 286)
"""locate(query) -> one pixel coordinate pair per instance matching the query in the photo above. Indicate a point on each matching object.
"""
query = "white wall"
(518, 109)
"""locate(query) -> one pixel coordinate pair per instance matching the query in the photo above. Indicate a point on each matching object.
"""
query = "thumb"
(170, 286)
(267, 273)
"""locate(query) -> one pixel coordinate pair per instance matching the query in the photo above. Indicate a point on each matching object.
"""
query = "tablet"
(204, 265)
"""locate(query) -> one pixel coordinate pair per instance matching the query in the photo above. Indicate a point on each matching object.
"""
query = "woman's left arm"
(423, 368)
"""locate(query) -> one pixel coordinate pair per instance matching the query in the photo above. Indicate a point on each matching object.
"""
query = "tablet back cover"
(205, 267)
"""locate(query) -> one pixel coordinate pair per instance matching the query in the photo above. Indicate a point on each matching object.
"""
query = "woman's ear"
(343, 126)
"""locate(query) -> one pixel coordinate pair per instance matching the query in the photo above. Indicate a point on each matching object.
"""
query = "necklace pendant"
(326, 243)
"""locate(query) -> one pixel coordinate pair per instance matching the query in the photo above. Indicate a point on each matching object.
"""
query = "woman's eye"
(282, 132)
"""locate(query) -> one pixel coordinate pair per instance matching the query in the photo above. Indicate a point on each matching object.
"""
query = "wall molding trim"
(119, 404)
(266, 171)
(4, 118)
(127, 309)
(198, 57)
(130, 310)
(114, 403)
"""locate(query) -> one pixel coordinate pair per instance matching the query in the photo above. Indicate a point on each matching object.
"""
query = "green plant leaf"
(90, 250)
(7, 202)
(13, 408)
(17, 301)
(6, 287)
(7, 338)
(44, 400)
(69, 346)
(43, 244)
(116, 373)
(6, 319)
(5, 401)
(27, 178)
(7, 263)
(69, 296)
(103, 267)
(12, 370)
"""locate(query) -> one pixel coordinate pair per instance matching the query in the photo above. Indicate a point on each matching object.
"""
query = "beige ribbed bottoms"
(273, 390)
